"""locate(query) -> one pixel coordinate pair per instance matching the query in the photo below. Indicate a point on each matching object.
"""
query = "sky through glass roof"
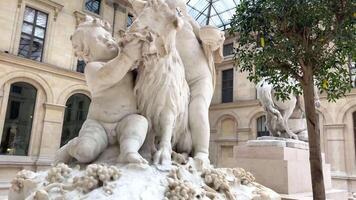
(212, 12)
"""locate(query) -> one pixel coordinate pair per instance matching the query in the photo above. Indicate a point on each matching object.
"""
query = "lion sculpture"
(161, 88)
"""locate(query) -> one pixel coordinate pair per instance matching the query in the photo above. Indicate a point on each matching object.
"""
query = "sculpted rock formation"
(100, 181)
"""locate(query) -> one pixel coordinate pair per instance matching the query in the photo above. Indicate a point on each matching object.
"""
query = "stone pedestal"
(280, 164)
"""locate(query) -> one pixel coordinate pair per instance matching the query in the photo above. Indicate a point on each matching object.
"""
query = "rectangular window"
(33, 34)
(130, 19)
(227, 85)
(80, 66)
(261, 127)
(228, 49)
(93, 6)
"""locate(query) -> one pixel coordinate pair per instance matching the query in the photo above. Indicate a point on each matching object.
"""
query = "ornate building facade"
(44, 98)
(43, 95)
(236, 116)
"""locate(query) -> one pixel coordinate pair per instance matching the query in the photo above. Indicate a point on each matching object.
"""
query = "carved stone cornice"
(124, 3)
(54, 106)
(227, 60)
(334, 126)
(235, 104)
(12, 60)
(17, 160)
(243, 130)
(56, 7)
(19, 3)
(79, 17)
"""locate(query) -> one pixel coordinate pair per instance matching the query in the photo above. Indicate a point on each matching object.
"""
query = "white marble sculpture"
(166, 107)
(99, 182)
(161, 89)
(198, 61)
(279, 113)
(112, 116)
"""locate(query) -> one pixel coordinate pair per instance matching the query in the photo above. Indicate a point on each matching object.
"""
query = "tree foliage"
(278, 39)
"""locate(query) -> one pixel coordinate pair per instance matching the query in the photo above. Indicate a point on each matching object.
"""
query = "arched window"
(228, 126)
(261, 127)
(74, 116)
(18, 120)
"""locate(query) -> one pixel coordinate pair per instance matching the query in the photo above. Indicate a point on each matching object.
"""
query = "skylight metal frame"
(210, 14)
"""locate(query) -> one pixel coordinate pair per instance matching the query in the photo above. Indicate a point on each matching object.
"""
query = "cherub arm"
(195, 25)
(101, 76)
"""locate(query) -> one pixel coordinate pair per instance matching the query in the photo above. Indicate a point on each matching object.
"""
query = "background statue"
(279, 113)
(112, 115)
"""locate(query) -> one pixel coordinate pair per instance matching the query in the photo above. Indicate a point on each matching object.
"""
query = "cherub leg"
(201, 95)
(131, 131)
(92, 140)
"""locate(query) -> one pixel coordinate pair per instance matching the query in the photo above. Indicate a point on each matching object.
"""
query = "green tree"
(310, 41)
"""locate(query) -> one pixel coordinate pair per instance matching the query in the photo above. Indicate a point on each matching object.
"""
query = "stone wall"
(55, 78)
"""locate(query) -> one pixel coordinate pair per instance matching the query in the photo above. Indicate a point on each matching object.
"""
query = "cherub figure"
(112, 116)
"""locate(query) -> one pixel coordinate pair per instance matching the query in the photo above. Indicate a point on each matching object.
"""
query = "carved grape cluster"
(217, 181)
(178, 189)
(97, 175)
(244, 176)
(18, 182)
(58, 173)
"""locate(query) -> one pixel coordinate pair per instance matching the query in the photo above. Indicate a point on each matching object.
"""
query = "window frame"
(262, 126)
(53, 9)
(80, 67)
(32, 126)
(232, 50)
(32, 36)
(74, 114)
(228, 88)
(91, 12)
(129, 17)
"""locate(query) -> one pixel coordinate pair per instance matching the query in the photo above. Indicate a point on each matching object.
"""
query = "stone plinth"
(282, 165)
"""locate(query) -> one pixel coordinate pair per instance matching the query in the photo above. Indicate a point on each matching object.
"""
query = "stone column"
(51, 134)
(3, 106)
(1, 95)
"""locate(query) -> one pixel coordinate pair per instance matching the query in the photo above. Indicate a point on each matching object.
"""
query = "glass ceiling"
(212, 12)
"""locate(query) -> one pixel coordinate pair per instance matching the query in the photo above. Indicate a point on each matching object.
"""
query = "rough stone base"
(276, 165)
(278, 142)
(333, 194)
(133, 182)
